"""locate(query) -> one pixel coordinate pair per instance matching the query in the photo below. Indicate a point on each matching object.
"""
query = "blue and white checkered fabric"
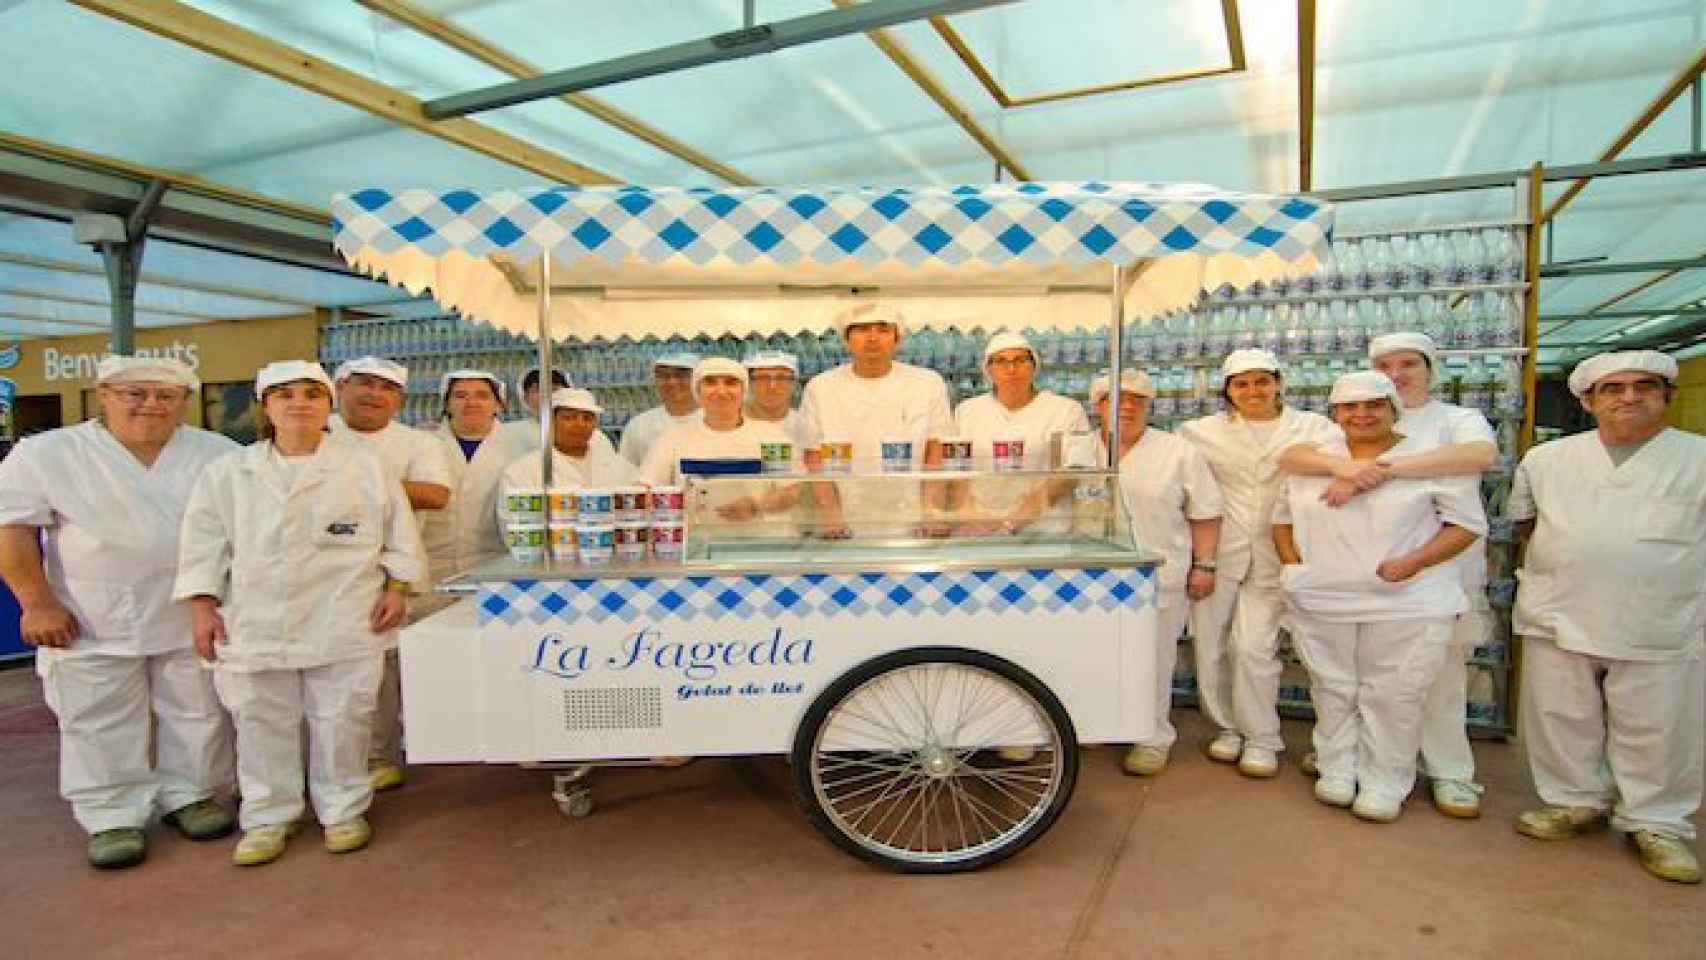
(823, 595)
(1074, 223)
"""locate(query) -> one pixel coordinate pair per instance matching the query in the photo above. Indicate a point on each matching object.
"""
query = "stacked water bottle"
(591, 526)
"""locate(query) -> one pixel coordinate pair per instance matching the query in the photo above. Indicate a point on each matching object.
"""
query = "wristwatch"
(1206, 566)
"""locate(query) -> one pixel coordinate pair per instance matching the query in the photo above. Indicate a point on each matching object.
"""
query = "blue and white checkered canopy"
(478, 251)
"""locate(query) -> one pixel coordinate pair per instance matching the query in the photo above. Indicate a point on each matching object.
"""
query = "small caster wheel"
(577, 805)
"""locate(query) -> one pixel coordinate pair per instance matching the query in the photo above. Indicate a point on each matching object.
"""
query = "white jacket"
(466, 532)
(110, 530)
(297, 567)
(1250, 482)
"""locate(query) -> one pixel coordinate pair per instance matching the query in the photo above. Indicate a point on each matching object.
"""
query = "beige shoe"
(262, 844)
(1310, 764)
(385, 775)
(1457, 798)
(1258, 762)
(1667, 858)
(1142, 761)
(1559, 823)
(1226, 747)
(348, 836)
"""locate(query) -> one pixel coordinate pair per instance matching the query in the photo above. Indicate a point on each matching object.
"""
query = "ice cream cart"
(930, 691)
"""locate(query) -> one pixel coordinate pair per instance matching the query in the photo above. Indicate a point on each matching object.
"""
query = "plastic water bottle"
(1273, 323)
(1507, 331)
(1248, 332)
(1165, 405)
(1467, 254)
(1507, 387)
(1380, 268)
(1402, 272)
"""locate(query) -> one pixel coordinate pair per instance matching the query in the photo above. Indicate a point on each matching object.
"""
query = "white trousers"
(387, 737)
(135, 733)
(1235, 633)
(1169, 624)
(1445, 713)
(269, 706)
(1622, 735)
(1368, 681)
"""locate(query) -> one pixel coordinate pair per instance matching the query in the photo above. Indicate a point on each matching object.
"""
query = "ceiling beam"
(1305, 95)
(464, 42)
(228, 41)
(901, 57)
(52, 321)
(1681, 82)
(154, 279)
(102, 303)
(737, 44)
(1646, 266)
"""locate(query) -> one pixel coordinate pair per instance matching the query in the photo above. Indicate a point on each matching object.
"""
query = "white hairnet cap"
(681, 360)
(146, 370)
(870, 313)
(289, 371)
(373, 366)
(1010, 341)
(1250, 358)
(1131, 381)
(1364, 385)
(1595, 369)
(718, 367)
(470, 374)
(771, 360)
(570, 398)
(1393, 342)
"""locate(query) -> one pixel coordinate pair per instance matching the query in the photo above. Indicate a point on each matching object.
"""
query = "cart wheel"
(577, 804)
(935, 760)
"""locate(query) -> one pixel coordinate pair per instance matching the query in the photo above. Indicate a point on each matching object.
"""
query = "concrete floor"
(714, 860)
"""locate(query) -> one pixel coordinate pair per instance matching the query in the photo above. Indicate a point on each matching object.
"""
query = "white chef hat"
(289, 371)
(1247, 359)
(718, 367)
(870, 313)
(1595, 369)
(1131, 381)
(532, 373)
(680, 360)
(1010, 341)
(772, 360)
(1393, 342)
(445, 381)
(570, 398)
(117, 369)
(374, 366)
(1364, 385)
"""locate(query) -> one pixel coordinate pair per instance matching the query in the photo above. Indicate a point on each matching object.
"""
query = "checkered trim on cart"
(824, 595)
(1077, 223)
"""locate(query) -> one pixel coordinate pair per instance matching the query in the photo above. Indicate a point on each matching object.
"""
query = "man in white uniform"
(526, 430)
(1454, 441)
(369, 393)
(1612, 612)
(1175, 509)
(672, 375)
(575, 460)
(1236, 628)
(873, 398)
(89, 520)
(772, 376)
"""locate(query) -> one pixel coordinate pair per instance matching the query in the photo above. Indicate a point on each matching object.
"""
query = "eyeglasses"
(1023, 360)
(772, 379)
(137, 396)
(1645, 387)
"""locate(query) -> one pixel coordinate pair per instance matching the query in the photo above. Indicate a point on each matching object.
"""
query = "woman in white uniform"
(89, 520)
(1373, 595)
(1175, 509)
(1454, 442)
(1013, 409)
(1235, 630)
(295, 558)
(576, 461)
(466, 533)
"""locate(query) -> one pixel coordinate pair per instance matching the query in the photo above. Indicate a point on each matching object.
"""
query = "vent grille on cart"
(613, 708)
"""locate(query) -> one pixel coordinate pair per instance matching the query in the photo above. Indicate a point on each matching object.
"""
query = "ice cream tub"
(525, 540)
(598, 506)
(630, 540)
(837, 456)
(631, 504)
(777, 456)
(560, 540)
(595, 543)
(668, 503)
(525, 504)
(564, 503)
(897, 456)
(667, 538)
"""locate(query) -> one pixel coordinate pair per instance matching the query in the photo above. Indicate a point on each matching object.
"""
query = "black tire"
(1026, 785)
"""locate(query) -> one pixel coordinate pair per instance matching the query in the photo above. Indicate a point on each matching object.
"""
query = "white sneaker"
(1457, 798)
(1336, 791)
(1258, 762)
(1377, 809)
(1226, 747)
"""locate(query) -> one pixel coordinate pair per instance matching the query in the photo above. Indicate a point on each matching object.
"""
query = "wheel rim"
(910, 765)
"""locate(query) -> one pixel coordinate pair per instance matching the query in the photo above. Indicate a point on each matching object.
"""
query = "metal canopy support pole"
(1694, 116)
(1116, 312)
(1531, 307)
(545, 444)
(123, 263)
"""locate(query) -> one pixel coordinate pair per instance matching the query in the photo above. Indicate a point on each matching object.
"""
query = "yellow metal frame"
(1234, 52)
